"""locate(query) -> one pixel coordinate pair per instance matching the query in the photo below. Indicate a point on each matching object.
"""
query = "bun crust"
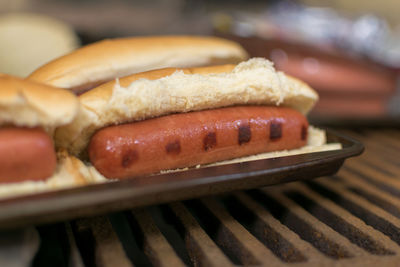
(26, 103)
(161, 92)
(105, 60)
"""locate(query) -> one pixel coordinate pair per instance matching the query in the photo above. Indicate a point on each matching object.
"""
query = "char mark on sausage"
(244, 132)
(129, 158)
(210, 141)
(173, 148)
(275, 130)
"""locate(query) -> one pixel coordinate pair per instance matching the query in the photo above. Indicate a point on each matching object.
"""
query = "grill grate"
(350, 218)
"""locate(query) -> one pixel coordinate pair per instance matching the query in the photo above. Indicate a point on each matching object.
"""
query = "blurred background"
(349, 51)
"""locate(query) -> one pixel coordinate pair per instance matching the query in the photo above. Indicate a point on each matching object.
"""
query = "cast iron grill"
(352, 218)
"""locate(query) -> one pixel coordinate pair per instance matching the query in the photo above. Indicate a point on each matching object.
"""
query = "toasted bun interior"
(27, 103)
(166, 91)
(108, 59)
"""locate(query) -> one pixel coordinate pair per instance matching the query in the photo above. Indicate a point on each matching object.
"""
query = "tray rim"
(20, 211)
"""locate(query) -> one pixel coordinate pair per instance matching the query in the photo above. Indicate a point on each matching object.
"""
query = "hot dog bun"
(165, 91)
(108, 59)
(27, 103)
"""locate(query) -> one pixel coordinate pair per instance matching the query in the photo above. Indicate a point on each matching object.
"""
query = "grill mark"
(244, 134)
(173, 148)
(304, 132)
(209, 141)
(130, 157)
(275, 130)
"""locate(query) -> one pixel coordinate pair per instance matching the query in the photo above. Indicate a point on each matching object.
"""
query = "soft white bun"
(29, 40)
(30, 104)
(108, 59)
(27, 103)
(166, 91)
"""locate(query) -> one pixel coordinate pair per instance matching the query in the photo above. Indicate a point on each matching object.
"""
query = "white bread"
(108, 59)
(166, 91)
(27, 103)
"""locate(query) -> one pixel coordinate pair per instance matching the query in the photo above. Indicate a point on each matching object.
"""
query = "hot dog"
(103, 61)
(174, 118)
(29, 114)
(200, 137)
(26, 154)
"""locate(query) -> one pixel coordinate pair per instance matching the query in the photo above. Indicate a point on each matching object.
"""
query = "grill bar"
(336, 245)
(372, 214)
(202, 250)
(366, 171)
(155, 244)
(285, 243)
(371, 193)
(351, 226)
(375, 147)
(75, 256)
(105, 246)
(250, 250)
(387, 138)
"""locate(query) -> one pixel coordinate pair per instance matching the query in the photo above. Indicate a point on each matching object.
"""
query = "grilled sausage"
(25, 154)
(188, 139)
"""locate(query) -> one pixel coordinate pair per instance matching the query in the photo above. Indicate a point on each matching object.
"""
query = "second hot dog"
(25, 154)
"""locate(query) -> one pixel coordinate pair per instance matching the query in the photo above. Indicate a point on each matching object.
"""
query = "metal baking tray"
(142, 191)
